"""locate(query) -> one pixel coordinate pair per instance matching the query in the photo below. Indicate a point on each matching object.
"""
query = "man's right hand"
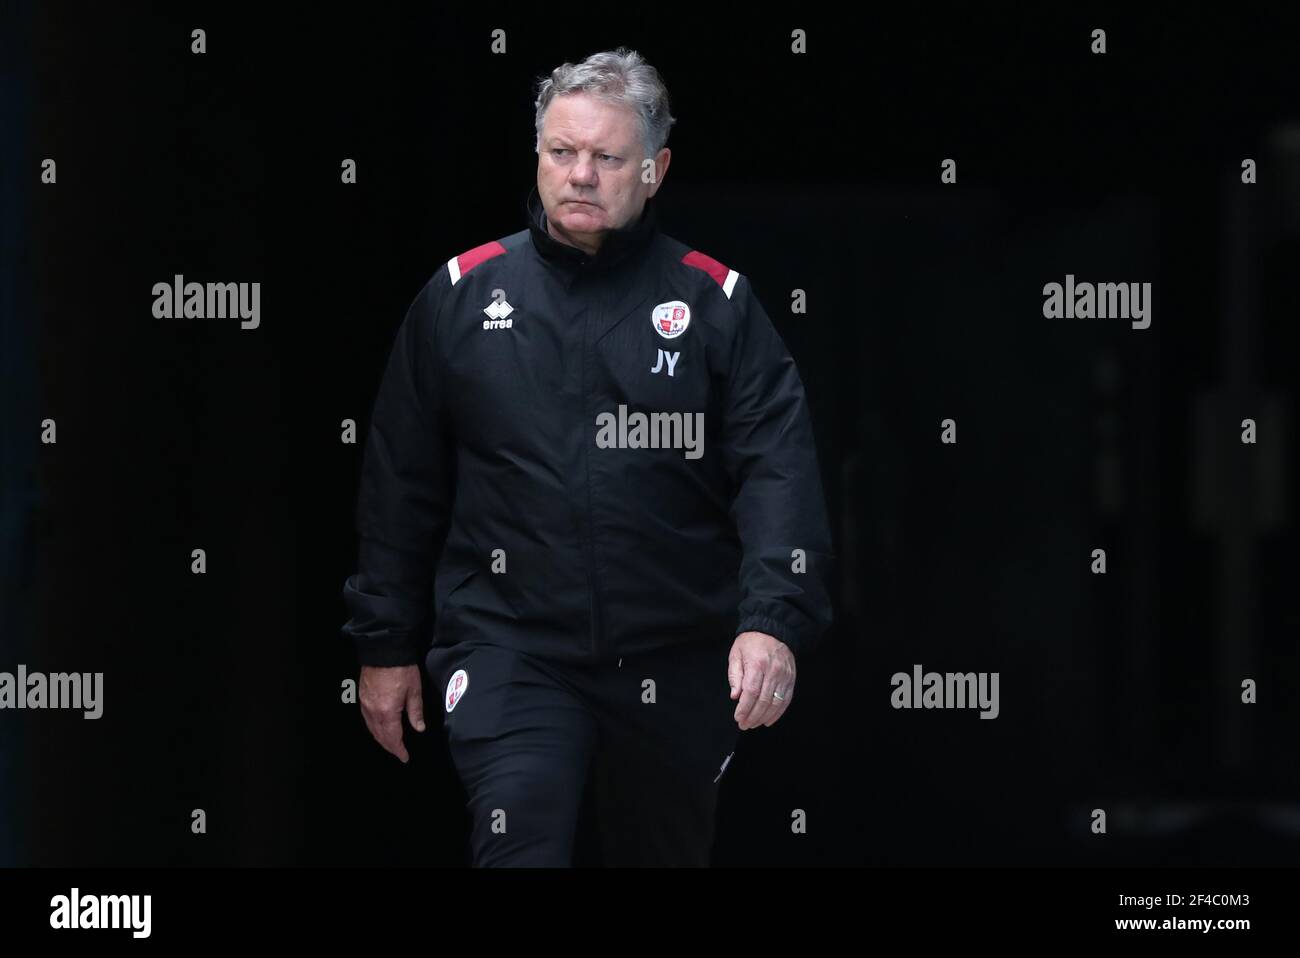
(385, 692)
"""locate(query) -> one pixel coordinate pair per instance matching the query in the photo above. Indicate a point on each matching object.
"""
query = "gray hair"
(621, 77)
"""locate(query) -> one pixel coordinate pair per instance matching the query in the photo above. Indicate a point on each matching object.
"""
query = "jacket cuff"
(798, 640)
(388, 650)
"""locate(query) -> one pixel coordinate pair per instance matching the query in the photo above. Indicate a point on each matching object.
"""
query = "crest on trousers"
(671, 319)
(456, 687)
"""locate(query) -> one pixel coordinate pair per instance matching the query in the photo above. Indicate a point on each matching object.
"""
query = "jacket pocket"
(446, 589)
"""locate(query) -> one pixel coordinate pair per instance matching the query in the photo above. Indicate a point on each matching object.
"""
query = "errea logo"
(499, 311)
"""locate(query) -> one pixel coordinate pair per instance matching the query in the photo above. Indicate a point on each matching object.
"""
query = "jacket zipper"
(594, 602)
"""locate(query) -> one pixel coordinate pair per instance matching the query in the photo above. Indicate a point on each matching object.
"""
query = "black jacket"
(506, 498)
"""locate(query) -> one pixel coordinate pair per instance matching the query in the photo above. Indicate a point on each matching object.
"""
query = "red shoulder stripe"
(479, 254)
(708, 264)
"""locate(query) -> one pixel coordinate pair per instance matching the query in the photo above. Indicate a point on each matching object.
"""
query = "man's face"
(589, 169)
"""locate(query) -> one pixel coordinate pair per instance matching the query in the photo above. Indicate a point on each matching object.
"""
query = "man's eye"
(558, 151)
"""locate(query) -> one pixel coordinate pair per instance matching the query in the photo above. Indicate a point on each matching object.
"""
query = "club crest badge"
(671, 319)
(456, 687)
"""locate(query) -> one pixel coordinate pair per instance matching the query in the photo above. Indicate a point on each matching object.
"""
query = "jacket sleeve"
(779, 505)
(404, 496)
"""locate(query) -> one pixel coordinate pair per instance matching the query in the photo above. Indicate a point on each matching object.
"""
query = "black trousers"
(655, 731)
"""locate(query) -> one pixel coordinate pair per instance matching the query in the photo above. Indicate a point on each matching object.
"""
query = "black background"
(818, 172)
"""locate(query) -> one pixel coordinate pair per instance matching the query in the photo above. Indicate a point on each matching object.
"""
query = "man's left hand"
(761, 671)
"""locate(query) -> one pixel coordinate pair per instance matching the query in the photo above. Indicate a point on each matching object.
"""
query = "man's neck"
(590, 251)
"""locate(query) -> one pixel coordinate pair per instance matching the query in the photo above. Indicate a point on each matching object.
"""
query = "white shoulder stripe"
(453, 267)
(730, 283)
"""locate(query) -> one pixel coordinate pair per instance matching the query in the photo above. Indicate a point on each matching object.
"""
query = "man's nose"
(584, 173)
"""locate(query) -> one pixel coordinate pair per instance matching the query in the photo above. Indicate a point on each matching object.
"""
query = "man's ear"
(661, 169)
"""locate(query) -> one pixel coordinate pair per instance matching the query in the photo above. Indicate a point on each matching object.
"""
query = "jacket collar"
(617, 246)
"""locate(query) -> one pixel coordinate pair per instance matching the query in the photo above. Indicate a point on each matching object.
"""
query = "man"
(593, 444)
